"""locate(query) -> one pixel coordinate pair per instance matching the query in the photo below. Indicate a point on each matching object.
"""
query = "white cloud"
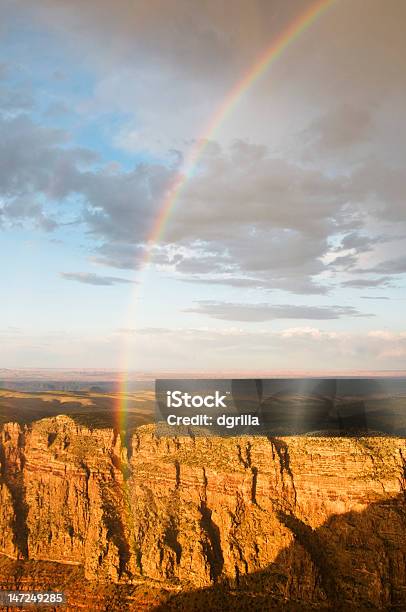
(91, 278)
(227, 349)
(269, 312)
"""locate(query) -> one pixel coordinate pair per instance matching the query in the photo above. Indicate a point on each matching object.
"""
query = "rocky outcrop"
(316, 520)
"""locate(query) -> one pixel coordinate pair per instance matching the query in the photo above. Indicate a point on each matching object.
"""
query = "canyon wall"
(313, 520)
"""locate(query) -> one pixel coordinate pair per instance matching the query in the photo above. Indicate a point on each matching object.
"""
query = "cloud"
(293, 348)
(57, 109)
(298, 285)
(344, 262)
(374, 297)
(361, 242)
(303, 190)
(267, 312)
(363, 283)
(14, 100)
(244, 218)
(3, 70)
(382, 187)
(232, 281)
(237, 189)
(121, 207)
(36, 160)
(341, 128)
(37, 170)
(90, 278)
(20, 209)
(39, 164)
(218, 38)
(304, 348)
(255, 212)
(122, 255)
(397, 265)
(157, 43)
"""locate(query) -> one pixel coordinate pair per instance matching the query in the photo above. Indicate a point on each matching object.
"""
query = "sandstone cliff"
(255, 521)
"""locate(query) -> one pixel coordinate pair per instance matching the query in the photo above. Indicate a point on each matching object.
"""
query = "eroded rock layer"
(247, 522)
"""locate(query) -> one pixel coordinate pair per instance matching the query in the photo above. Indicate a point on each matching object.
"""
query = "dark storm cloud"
(267, 312)
(90, 278)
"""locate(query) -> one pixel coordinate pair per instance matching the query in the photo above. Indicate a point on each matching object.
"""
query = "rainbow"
(268, 57)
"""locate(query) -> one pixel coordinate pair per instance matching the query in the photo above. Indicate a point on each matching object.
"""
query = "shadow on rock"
(354, 561)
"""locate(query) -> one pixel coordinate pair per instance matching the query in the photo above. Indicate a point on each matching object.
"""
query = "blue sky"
(285, 248)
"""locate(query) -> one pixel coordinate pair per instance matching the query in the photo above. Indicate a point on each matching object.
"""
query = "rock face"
(316, 520)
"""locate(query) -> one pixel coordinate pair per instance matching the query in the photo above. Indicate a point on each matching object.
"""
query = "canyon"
(141, 522)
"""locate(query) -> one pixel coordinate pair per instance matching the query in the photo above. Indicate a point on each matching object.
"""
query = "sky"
(285, 248)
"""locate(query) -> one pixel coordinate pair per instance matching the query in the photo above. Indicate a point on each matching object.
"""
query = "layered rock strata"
(317, 521)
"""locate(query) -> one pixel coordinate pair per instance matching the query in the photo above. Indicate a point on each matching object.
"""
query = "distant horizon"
(133, 375)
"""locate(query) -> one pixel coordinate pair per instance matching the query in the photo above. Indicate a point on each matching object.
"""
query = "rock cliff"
(255, 521)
